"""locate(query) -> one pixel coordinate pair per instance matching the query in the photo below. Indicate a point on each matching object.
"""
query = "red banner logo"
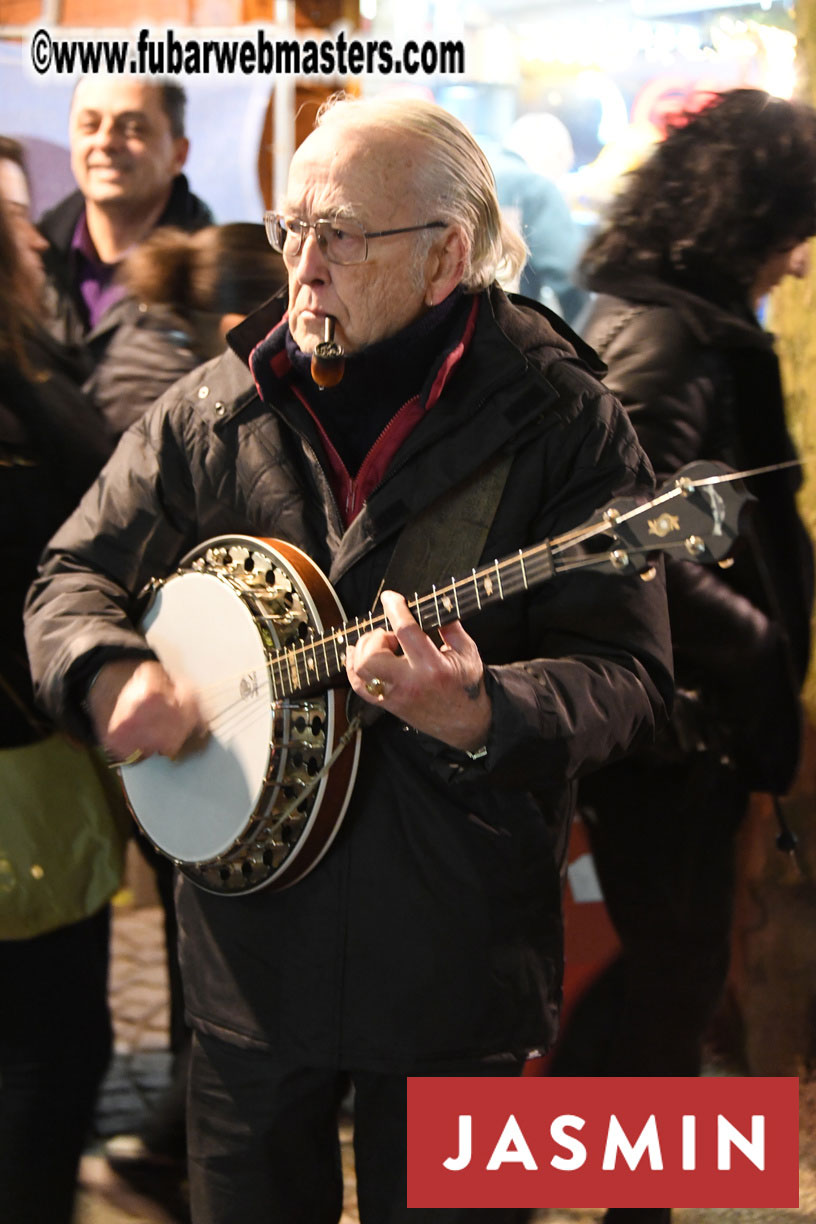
(549, 1142)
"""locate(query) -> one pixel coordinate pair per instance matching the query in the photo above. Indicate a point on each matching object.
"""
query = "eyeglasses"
(341, 241)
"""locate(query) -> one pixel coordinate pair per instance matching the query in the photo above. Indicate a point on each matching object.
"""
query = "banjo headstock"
(695, 515)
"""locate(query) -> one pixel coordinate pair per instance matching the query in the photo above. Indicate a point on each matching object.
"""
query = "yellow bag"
(63, 831)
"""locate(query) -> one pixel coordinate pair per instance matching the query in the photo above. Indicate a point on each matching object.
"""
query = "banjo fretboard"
(694, 516)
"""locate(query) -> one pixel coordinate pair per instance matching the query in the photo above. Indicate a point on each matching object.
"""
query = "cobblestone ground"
(141, 1066)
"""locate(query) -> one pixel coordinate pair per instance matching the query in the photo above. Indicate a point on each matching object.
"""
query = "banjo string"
(289, 660)
(220, 712)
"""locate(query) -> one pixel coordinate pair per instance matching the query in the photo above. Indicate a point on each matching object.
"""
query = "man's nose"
(107, 134)
(312, 263)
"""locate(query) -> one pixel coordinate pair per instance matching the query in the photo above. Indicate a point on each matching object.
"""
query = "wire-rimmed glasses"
(342, 240)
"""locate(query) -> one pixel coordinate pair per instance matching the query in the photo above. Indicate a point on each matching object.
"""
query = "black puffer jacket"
(67, 318)
(702, 382)
(432, 927)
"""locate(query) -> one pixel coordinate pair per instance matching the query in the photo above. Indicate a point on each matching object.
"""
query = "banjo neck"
(695, 515)
(321, 661)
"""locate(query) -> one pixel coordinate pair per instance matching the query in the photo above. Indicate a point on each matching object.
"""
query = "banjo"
(256, 629)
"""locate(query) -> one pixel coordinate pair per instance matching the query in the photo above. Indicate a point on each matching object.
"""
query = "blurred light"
(670, 8)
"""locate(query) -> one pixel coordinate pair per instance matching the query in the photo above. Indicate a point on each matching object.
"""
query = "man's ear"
(445, 267)
(181, 148)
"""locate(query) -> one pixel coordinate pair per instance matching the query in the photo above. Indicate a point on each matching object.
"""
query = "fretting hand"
(437, 690)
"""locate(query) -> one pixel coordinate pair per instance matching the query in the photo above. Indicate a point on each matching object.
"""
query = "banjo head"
(254, 804)
(194, 808)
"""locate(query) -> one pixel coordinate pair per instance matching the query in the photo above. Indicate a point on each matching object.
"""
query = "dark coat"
(432, 927)
(702, 382)
(68, 321)
(52, 445)
(151, 349)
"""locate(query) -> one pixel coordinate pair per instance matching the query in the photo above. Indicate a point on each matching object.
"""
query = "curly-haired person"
(699, 234)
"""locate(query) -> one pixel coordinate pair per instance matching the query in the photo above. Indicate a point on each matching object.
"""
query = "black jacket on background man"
(65, 308)
(431, 929)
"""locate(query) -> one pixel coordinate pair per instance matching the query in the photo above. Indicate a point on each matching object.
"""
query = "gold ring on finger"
(133, 759)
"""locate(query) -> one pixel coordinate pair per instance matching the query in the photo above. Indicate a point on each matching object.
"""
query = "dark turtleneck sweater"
(379, 379)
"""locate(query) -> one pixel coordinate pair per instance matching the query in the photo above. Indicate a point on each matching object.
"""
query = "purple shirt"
(94, 278)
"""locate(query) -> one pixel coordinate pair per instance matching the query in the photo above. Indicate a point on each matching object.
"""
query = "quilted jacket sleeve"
(579, 670)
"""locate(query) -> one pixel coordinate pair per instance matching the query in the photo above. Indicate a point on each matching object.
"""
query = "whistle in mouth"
(328, 360)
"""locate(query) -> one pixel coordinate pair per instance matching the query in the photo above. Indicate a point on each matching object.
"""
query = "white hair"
(453, 179)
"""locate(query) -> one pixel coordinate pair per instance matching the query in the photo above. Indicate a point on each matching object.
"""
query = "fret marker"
(447, 603)
(488, 586)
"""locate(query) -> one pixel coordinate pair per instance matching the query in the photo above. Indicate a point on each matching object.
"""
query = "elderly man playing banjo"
(369, 804)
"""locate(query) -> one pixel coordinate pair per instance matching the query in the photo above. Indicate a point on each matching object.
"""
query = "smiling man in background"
(128, 148)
